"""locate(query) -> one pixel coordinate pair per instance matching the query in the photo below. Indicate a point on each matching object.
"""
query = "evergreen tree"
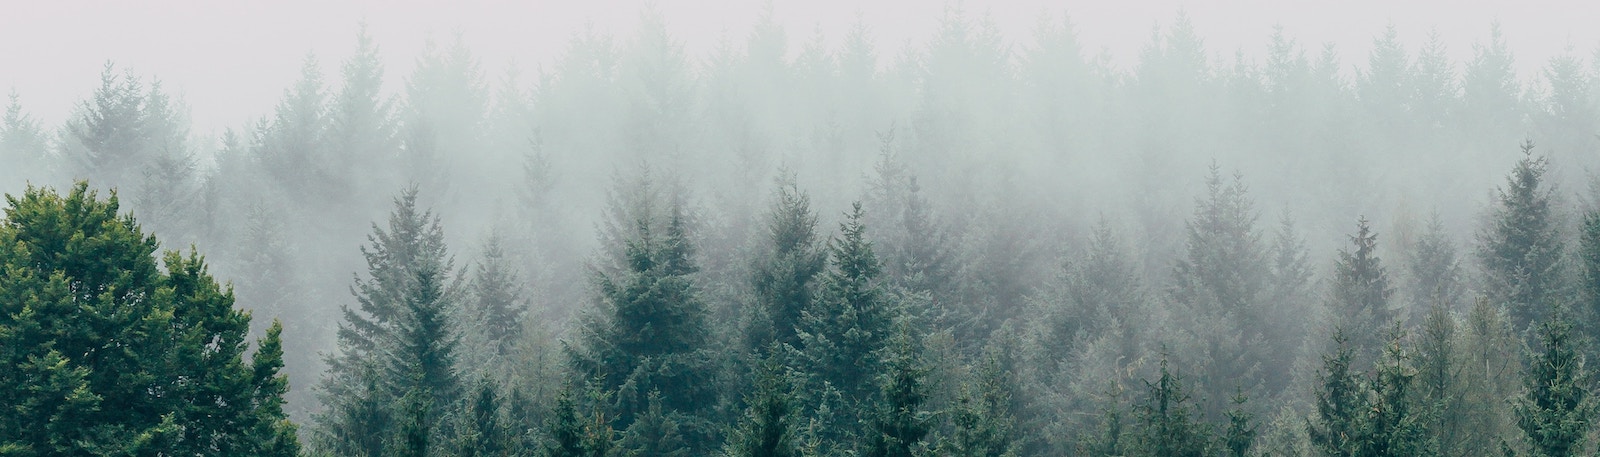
(1438, 380)
(1521, 249)
(1240, 435)
(483, 430)
(784, 277)
(1360, 298)
(1587, 313)
(399, 344)
(767, 428)
(653, 433)
(1492, 360)
(1168, 425)
(1221, 284)
(847, 328)
(23, 145)
(649, 331)
(500, 307)
(1392, 426)
(1556, 408)
(984, 425)
(91, 324)
(1434, 273)
(900, 424)
(1341, 402)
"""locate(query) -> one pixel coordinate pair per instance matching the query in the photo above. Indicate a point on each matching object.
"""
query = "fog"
(1083, 190)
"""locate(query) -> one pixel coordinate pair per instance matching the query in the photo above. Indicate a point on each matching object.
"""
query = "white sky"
(232, 59)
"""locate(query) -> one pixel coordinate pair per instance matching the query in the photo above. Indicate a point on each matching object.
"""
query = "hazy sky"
(232, 59)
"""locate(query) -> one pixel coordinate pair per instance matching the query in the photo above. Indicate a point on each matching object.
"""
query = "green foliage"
(1393, 425)
(784, 276)
(1522, 247)
(1240, 435)
(484, 429)
(90, 326)
(654, 433)
(982, 417)
(1340, 399)
(1361, 292)
(499, 305)
(767, 428)
(1168, 425)
(845, 331)
(399, 345)
(900, 425)
(1556, 409)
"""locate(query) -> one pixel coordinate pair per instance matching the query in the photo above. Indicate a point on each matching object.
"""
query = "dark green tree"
(1168, 424)
(399, 341)
(846, 330)
(767, 428)
(1556, 408)
(1341, 403)
(1240, 435)
(982, 419)
(785, 275)
(648, 331)
(1392, 425)
(901, 424)
(1520, 250)
(653, 433)
(484, 430)
(91, 324)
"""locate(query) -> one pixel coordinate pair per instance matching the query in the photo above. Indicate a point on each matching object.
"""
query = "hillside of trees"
(967, 247)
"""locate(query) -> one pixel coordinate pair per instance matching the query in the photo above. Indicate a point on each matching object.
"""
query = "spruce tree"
(1587, 312)
(767, 428)
(900, 424)
(499, 305)
(483, 430)
(1360, 297)
(91, 324)
(846, 330)
(1521, 249)
(649, 331)
(1340, 401)
(1392, 425)
(399, 343)
(1168, 425)
(1556, 408)
(784, 277)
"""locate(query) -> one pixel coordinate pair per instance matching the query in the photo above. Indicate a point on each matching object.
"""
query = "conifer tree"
(1556, 408)
(1438, 381)
(399, 343)
(847, 328)
(484, 430)
(1521, 249)
(648, 332)
(1168, 424)
(1360, 297)
(1392, 426)
(1340, 400)
(91, 324)
(1434, 273)
(785, 276)
(900, 424)
(1587, 312)
(500, 307)
(1240, 435)
(767, 428)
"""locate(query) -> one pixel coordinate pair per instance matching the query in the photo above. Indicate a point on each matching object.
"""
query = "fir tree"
(900, 424)
(784, 278)
(1360, 298)
(846, 329)
(767, 428)
(500, 307)
(1521, 248)
(484, 431)
(1340, 401)
(1392, 426)
(1556, 408)
(1168, 425)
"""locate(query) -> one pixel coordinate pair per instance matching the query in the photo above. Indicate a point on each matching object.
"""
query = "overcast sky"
(232, 59)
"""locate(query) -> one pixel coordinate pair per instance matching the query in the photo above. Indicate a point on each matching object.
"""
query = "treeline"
(970, 247)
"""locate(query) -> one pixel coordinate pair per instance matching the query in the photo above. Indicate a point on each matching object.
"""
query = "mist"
(704, 224)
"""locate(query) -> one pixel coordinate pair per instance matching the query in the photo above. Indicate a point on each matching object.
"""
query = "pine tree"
(399, 344)
(847, 328)
(92, 324)
(1360, 298)
(500, 307)
(1393, 426)
(785, 276)
(1556, 408)
(900, 424)
(1521, 248)
(649, 331)
(767, 428)
(1168, 425)
(1341, 402)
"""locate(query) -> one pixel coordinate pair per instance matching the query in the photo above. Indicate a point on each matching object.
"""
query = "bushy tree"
(92, 324)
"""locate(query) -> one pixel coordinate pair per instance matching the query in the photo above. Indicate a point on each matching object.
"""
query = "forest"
(970, 246)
